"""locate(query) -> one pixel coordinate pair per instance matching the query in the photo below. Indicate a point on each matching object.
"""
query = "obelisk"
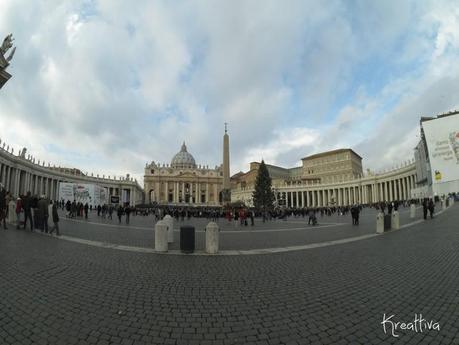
(226, 190)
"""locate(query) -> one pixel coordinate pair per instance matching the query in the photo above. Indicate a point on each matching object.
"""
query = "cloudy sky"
(108, 85)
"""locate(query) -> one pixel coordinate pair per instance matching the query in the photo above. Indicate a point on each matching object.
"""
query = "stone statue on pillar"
(5, 61)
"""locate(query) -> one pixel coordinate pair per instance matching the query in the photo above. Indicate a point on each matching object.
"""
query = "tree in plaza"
(263, 196)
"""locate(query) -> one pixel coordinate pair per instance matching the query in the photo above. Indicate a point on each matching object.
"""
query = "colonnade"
(387, 187)
(20, 175)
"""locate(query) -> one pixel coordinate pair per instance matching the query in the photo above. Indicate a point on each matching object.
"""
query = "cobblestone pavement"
(58, 292)
(273, 234)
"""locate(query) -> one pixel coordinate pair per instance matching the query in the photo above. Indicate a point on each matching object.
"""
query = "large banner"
(85, 193)
(442, 137)
(66, 191)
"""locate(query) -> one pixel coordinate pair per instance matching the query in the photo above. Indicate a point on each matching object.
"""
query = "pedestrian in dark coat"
(86, 210)
(425, 207)
(3, 206)
(27, 206)
(120, 213)
(55, 218)
(431, 208)
(42, 213)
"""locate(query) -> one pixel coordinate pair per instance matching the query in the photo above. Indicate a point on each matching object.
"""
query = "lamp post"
(5, 61)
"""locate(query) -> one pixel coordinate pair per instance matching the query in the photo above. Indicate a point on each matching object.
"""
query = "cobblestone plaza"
(61, 291)
(229, 172)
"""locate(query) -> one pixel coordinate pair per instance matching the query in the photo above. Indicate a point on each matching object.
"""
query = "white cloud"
(112, 84)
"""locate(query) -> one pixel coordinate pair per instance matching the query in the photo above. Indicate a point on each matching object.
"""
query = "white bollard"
(413, 211)
(212, 233)
(170, 228)
(395, 221)
(380, 223)
(161, 237)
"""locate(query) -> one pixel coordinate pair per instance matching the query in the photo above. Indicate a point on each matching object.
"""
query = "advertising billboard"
(442, 138)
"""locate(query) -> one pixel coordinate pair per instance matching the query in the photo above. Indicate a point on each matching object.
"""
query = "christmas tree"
(263, 196)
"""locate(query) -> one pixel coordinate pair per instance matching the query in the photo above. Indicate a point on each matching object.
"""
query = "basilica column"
(207, 193)
(176, 192)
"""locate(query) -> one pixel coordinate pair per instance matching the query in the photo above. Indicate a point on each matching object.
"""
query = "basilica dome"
(183, 159)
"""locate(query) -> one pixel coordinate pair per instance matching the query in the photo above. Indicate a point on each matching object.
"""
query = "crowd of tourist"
(38, 212)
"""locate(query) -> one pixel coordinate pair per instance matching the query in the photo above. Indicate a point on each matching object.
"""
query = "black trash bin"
(387, 221)
(187, 239)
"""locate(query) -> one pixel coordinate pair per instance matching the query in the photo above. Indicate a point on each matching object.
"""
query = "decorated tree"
(263, 196)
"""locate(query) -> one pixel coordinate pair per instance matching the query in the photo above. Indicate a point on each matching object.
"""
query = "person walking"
(127, 211)
(27, 206)
(55, 218)
(431, 208)
(425, 207)
(3, 206)
(86, 210)
(18, 212)
(120, 213)
(43, 214)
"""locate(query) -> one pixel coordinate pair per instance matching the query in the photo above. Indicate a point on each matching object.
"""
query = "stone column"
(216, 196)
(51, 191)
(207, 193)
(166, 192)
(176, 192)
(17, 182)
(313, 198)
(404, 193)
(391, 195)
(198, 192)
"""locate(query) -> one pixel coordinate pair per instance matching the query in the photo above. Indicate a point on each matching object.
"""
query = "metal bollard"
(212, 234)
(170, 228)
(380, 223)
(161, 237)
(413, 211)
(395, 221)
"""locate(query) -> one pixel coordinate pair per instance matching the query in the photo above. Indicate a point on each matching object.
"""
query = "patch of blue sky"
(77, 159)
(88, 9)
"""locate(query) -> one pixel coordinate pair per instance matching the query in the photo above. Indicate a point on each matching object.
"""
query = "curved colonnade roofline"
(389, 186)
(20, 174)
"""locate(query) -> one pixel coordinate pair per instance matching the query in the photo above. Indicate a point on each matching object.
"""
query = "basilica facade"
(183, 182)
